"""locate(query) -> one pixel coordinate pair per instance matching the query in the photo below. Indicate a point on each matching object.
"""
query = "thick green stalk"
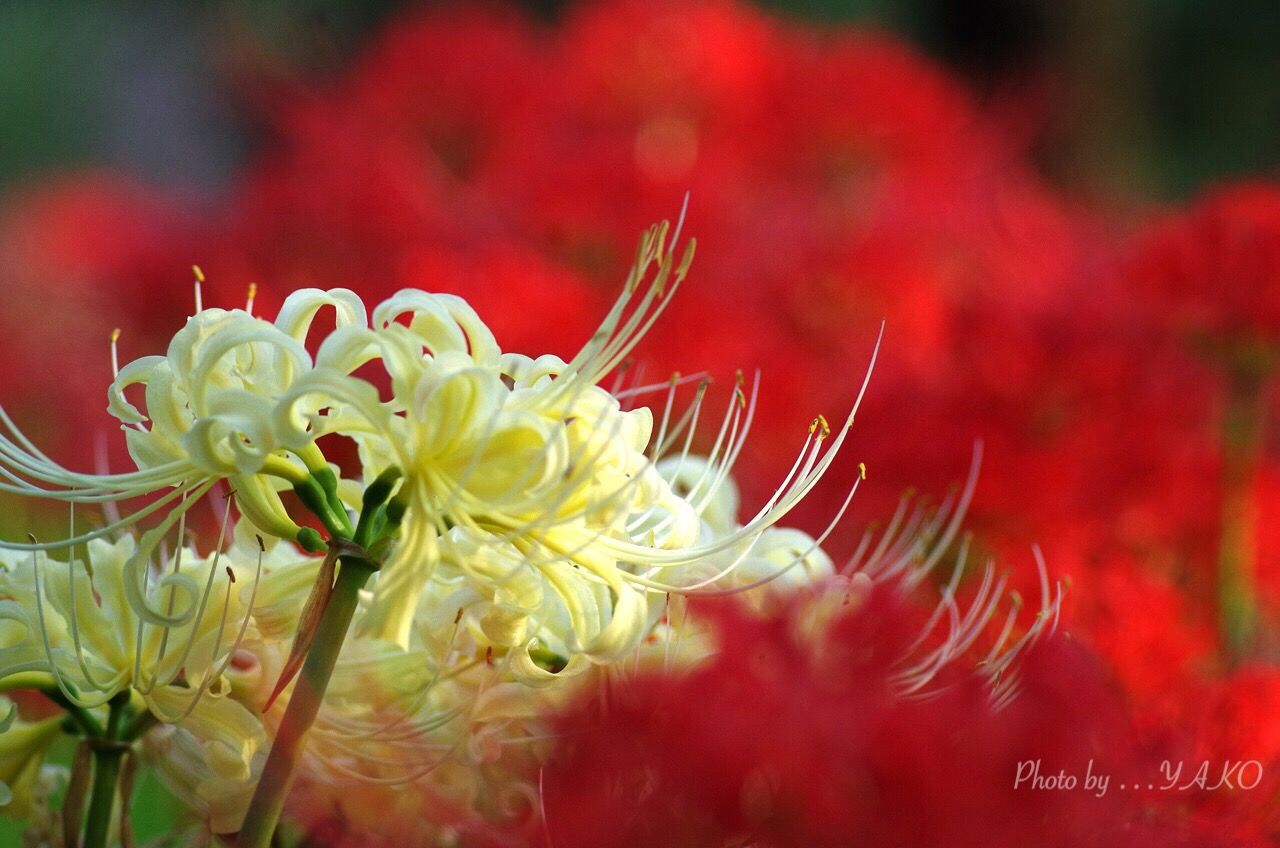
(355, 568)
(308, 693)
(107, 754)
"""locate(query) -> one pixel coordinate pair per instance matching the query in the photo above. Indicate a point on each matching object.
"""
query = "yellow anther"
(820, 426)
(683, 267)
(660, 281)
(862, 471)
(115, 353)
(741, 397)
(195, 269)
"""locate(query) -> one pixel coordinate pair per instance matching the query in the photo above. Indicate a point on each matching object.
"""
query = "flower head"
(1212, 269)
(76, 622)
(72, 630)
(525, 524)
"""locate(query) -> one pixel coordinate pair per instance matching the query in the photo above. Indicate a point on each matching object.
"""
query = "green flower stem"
(277, 775)
(108, 751)
(1241, 449)
(82, 717)
(355, 567)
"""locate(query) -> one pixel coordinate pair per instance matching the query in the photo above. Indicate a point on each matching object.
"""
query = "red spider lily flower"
(95, 252)
(782, 740)
(1214, 270)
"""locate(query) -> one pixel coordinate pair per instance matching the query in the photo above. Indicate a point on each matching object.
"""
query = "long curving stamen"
(54, 669)
(164, 636)
(666, 415)
(687, 426)
(813, 469)
(344, 771)
(961, 509)
(420, 698)
(29, 460)
(199, 286)
(728, 430)
(614, 340)
(115, 353)
(210, 676)
(860, 561)
(650, 388)
(718, 466)
(199, 613)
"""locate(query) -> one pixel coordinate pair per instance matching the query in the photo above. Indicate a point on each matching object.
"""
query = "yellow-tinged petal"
(23, 747)
(212, 759)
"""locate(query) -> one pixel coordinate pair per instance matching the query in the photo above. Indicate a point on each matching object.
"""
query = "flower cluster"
(832, 751)
(525, 526)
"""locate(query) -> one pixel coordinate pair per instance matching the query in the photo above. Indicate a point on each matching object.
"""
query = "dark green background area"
(1150, 98)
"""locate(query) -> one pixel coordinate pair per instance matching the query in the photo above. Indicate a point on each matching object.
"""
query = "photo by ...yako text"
(1174, 776)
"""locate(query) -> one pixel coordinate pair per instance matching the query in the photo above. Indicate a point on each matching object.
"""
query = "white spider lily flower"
(212, 400)
(75, 621)
(401, 757)
(544, 622)
(523, 478)
(211, 760)
(211, 410)
(209, 400)
(532, 486)
(533, 495)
